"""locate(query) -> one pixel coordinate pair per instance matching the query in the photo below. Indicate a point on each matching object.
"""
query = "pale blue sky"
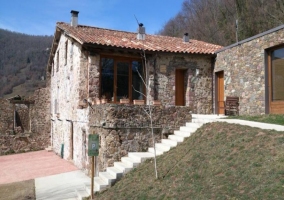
(38, 17)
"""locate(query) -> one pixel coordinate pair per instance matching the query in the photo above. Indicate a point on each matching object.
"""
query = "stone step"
(49, 149)
(141, 156)
(201, 116)
(177, 138)
(192, 124)
(182, 133)
(188, 129)
(115, 172)
(99, 184)
(173, 143)
(107, 177)
(131, 161)
(81, 194)
(163, 147)
(158, 152)
(123, 167)
(203, 120)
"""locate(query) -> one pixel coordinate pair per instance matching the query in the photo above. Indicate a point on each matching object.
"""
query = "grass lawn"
(24, 190)
(271, 119)
(219, 161)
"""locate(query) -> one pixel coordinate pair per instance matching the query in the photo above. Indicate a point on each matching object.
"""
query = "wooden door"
(220, 92)
(180, 89)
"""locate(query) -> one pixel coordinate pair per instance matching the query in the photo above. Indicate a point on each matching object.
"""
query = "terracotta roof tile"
(122, 39)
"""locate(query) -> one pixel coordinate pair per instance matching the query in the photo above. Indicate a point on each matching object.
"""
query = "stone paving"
(26, 166)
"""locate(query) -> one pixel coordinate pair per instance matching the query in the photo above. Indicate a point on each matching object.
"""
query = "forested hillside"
(215, 20)
(23, 59)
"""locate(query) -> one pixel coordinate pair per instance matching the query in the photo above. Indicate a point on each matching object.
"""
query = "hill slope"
(23, 61)
(219, 161)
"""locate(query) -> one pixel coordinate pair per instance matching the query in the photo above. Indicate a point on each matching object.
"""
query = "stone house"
(87, 63)
(253, 70)
(25, 123)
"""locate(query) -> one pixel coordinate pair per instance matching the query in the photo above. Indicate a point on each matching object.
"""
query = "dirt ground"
(24, 190)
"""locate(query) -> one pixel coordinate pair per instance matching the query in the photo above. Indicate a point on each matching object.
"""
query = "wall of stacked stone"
(198, 89)
(6, 116)
(162, 71)
(40, 112)
(244, 71)
(126, 128)
(68, 86)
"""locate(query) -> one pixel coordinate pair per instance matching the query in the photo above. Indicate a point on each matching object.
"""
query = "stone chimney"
(74, 18)
(141, 32)
(186, 37)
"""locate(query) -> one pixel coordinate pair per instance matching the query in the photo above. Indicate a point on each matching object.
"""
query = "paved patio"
(25, 166)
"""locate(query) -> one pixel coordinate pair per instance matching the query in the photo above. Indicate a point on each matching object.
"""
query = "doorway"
(180, 88)
(220, 104)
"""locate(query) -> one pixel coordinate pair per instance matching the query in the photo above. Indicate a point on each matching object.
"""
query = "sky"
(39, 17)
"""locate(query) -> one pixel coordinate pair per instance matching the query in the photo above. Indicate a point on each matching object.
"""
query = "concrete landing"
(60, 186)
(253, 124)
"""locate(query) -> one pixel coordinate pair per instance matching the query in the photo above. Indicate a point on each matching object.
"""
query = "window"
(66, 51)
(57, 61)
(277, 75)
(121, 78)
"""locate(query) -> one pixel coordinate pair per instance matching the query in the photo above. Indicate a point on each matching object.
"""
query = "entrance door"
(276, 81)
(220, 92)
(180, 90)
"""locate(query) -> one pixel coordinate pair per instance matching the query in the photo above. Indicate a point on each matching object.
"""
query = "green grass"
(219, 161)
(271, 119)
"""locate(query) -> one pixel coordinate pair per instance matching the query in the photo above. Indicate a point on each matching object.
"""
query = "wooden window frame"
(269, 78)
(117, 59)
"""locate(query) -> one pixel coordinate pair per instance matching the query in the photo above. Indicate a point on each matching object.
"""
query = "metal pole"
(92, 178)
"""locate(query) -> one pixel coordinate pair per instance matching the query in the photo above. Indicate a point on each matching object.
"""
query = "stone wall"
(126, 128)
(161, 71)
(6, 116)
(68, 86)
(40, 112)
(244, 71)
(198, 89)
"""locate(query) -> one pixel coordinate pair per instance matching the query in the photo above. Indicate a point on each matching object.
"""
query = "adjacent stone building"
(25, 123)
(89, 63)
(253, 70)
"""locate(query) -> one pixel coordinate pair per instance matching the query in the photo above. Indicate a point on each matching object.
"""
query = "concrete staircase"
(113, 174)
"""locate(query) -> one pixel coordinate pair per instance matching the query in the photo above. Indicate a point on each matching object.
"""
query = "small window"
(52, 69)
(66, 51)
(57, 61)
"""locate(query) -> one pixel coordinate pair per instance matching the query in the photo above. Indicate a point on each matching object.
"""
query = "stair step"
(131, 161)
(177, 138)
(107, 177)
(99, 184)
(115, 172)
(162, 146)
(158, 152)
(173, 143)
(49, 149)
(200, 116)
(123, 166)
(141, 156)
(203, 120)
(182, 133)
(192, 124)
(81, 193)
(188, 129)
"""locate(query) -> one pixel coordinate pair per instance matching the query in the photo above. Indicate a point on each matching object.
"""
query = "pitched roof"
(122, 39)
